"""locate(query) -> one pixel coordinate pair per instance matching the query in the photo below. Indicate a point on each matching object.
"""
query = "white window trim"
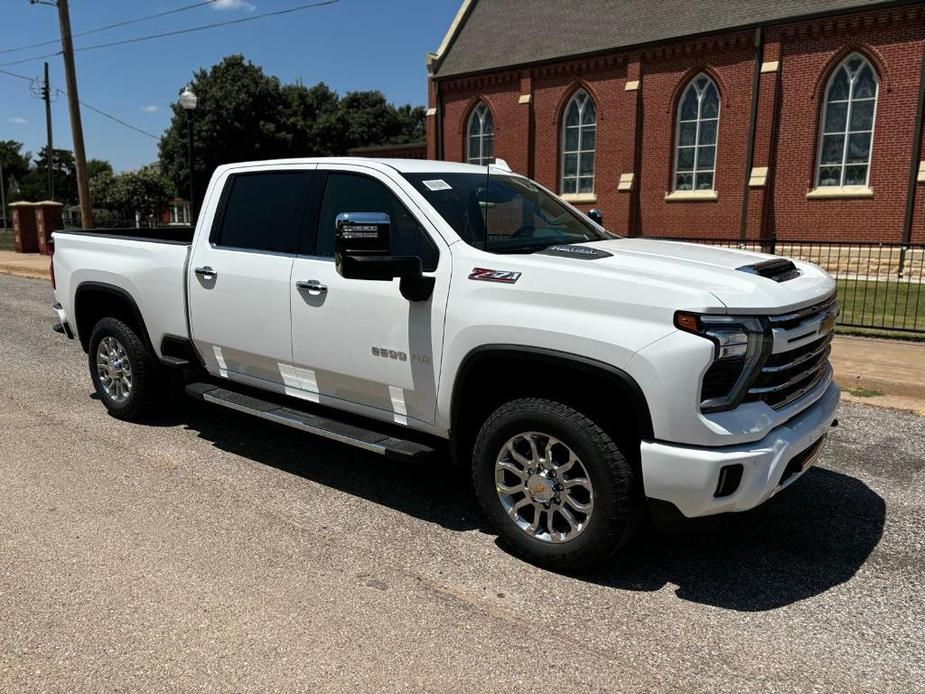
(579, 151)
(677, 143)
(841, 192)
(822, 133)
(579, 198)
(702, 195)
(481, 112)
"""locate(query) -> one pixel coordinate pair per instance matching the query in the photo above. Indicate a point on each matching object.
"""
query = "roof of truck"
(402, 165)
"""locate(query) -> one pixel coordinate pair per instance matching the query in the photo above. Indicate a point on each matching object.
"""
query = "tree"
(413, 124)
(34, 186)
(15, 167)
(238, 118)
(144, 193)
(244, 114)
(15, 163)
(311, 118)
(98, 166)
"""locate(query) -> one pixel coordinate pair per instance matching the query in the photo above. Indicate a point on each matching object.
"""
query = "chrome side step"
(352, 435)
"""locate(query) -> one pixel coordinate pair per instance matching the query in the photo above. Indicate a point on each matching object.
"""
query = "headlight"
(741, 345)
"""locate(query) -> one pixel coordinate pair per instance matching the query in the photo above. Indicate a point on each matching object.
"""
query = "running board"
(333, 429)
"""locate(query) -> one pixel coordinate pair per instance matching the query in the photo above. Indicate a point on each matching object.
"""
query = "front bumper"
(689, 477)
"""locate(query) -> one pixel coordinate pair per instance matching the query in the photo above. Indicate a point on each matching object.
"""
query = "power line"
(18, 76)
(178, 32)
(112, 117)
(111, 26)
(86, 105)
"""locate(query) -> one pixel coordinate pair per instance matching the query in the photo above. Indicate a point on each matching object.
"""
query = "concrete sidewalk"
(890, 367)
(24, 264)
(887, 367)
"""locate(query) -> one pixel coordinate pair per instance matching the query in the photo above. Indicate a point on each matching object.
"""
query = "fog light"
(729, 478)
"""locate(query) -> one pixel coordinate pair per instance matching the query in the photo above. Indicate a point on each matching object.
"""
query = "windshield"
(504, 214)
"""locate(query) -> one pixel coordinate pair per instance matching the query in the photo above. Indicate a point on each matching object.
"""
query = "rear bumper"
(689, 477)
(62, 326)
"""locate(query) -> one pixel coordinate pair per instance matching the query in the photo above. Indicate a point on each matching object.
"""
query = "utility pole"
(50, 152)
(73, 102)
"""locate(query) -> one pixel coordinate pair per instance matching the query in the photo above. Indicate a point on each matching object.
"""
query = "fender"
(617, 377)
(117, 292)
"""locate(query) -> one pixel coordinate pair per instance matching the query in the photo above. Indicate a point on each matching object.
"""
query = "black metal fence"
(880, 285)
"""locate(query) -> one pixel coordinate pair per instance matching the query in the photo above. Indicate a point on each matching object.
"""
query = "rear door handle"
(205, 271)
(311, 286)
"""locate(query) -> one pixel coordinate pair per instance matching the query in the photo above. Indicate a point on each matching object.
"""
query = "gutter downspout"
(752, 129)
(913, 166)
(438, 119)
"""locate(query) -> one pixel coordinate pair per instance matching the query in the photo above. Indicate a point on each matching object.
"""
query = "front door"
(240, 277)
(358, 344)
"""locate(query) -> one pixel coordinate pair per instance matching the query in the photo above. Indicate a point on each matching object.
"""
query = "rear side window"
(263, 211)
(346, 192)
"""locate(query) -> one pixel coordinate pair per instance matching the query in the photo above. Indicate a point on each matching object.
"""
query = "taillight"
(51, 262)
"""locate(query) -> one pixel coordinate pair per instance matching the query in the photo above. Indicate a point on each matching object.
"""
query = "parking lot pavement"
(211, 552)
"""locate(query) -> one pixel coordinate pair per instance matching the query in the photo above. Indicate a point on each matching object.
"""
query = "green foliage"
(15, 163)
(244, 114)
(146, 192)
(98, 166)
(34, 186)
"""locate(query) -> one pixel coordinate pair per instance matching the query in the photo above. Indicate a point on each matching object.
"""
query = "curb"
(886, 386)
(19, 271)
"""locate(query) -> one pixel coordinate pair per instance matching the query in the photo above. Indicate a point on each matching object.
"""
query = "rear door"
(239, 279)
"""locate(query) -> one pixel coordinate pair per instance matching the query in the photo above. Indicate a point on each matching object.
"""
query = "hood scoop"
(580, 252)
(779, 269)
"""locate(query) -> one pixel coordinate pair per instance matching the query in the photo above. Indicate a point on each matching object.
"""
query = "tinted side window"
(264, 211)
(346, 192)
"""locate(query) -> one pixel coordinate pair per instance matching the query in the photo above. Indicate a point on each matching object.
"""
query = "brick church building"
(757, 119)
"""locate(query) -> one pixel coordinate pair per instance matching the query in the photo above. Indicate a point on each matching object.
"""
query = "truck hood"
(706, 268)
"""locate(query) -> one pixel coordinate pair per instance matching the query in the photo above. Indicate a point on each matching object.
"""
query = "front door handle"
(313, 287)
(206, 272)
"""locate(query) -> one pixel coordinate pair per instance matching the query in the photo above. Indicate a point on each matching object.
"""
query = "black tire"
(618, 506)
(146, 392)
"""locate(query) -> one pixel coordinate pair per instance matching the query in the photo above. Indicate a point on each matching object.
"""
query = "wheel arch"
(96, 300)
(491, 374)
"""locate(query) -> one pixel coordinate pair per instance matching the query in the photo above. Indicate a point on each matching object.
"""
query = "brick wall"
(635, 128)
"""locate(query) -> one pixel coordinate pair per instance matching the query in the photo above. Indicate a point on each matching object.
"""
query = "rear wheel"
(123, 371)
(554, 484)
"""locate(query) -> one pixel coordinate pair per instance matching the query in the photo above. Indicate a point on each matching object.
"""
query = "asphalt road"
(212, 552)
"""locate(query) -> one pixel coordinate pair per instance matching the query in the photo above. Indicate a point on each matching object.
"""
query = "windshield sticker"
(486, 275)
(437, 184)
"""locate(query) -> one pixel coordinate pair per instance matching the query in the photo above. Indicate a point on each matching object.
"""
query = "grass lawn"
(882, 305)
(6, 239)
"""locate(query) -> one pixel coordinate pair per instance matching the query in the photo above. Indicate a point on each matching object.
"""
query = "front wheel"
(123, 371)
(554, 484)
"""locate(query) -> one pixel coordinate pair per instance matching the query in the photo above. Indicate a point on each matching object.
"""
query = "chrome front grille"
(799, 359)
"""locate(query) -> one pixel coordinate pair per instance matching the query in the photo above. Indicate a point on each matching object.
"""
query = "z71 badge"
(486, 275)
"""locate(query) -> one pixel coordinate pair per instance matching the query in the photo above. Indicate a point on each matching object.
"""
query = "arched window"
(848, 124)
(579, 128)
(481, 144)
(698, 122)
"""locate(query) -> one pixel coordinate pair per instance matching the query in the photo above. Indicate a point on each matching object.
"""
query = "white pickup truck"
(414, 308)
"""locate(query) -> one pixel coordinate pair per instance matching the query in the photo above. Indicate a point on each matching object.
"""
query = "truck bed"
(178, 234)
(146, 265)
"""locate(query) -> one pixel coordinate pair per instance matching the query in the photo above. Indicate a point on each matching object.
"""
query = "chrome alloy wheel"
(544, 487)
(114, 369)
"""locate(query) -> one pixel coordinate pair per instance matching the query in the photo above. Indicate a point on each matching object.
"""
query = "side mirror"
(362, 251)
(596, 216)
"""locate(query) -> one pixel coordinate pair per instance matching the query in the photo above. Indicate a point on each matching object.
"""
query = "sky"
(350, 45)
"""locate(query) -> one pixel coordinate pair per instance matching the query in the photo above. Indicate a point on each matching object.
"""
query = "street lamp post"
(188, 101)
